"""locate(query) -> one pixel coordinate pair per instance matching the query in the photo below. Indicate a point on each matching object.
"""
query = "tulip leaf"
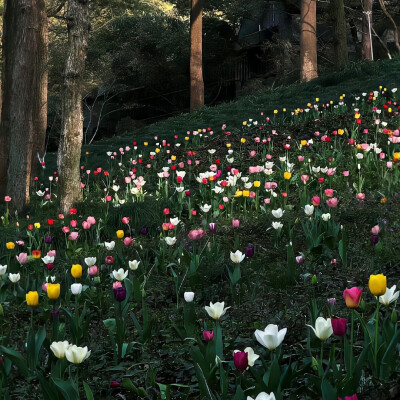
(88, 391)
(17, 359)
(328, 391)
(49, 391)
(67, 388)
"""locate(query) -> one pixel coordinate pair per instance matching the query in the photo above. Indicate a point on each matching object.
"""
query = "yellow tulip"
(242, 140)
(53, 291)
(287, 175)
(32, 299)
(257, 184)
(173, 158)
(340, 132)
(37, 225)
(275, 111)
(245, 123)
(76, 271)
(238, 193)
(157, 150)
(186, 137)
(146, 143)
(377, 284)
(246, 193)
(120, 234)
(10, 245)
(303, 142)
(228, 145)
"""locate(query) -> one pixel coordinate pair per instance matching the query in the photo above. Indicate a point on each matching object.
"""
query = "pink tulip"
(44, 286)
(331, 171)
(128, 241)
(73, 223)
(65, 229)
(73, 236)
(7, 199)
(235, 223)
(345, 173)
(316, 201)
(208, 335)
(51, 253)
(128, 179)
(360, 196)
(332, 203)
(389, 164)
(125, 220)
(22, 258)
(93, 270)
(117, 284)
(300, 158)
(328, 192)
(267, 201)
(305, 178)
(375, 230)
(253, 153)
(91, 220)
(86, 225)
(352, 297)
(196, 234)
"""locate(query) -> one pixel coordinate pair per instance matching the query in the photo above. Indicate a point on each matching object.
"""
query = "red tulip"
(240, 359)
(352, 297)
(339, 326)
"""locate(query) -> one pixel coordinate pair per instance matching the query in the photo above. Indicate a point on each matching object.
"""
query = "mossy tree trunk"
(339, 32)
(24, 60)
(196, 55)
(70, 148)
(308, 41)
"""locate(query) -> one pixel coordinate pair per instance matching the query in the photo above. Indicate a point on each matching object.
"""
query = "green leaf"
(17, 359)
(67, 388)
(88, 392)
(128, 385)
(328, 391)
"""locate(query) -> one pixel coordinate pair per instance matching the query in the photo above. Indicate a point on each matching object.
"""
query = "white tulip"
(326, 217)
(14, 278)
(217, 310)
(323, 328)
(76, 288)
(3, 269)
(120, 275)
(237, 257)
(251, 356)
(59, 348)
(174, 221)
(278, 213)
(309, 210)
(390, 296)
(212, 151)
(77, 355)
(90, 261)
(205, 208)
(170, 240)
(134, 265)
(270, 337)
(48, 259)
(277, 225)
(181, 173)
(109, 245)
(263, 396)
(189, 296)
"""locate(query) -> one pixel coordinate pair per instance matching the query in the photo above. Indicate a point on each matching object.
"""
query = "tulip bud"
(314, 280)
(189, 296)
(314, 364)
(114, 384)
(208, 335)
(1, 311)
(362, 305)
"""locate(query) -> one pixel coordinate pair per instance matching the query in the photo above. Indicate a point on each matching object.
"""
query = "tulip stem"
(322, 354)
(351, 342)
(376, 335)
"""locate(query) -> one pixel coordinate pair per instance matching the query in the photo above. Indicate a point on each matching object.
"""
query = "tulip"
(109, 245)
(10, 245)
(309, 210)
(3, 269)
(128, 241)
(120, 275)
(390, 296)
(119, 293)
(53, 291)
(352, 297)
(120, 234)
(374, 240)
(339, 326)
(77, 355)
(76, 288)
(212, 227)
(59, 348)
(14, 278)
(208, 335)
(377, 284)
(32, 299)
(188, 296)
(196, 234)
(216, 311)
(326, 217)
(48, 239)
(332, 203)
(240, 359)
(76, 271)
(249, 251)
(375, 230)
(299, 260)
(316, 201)
(93, 270)
(134, 265)
(90, 261)
(353, 397)
(263, 396)
(109, 260)
(251, 356)
(270, 337)
(323, 328)
(277, 225)
(235, 223)
(278, 213)
(170, 240)
(73, 236)
(237, 257)
(22, 258)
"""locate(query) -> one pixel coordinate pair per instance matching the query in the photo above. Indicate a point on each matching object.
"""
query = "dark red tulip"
(339, 326)
(240, 359)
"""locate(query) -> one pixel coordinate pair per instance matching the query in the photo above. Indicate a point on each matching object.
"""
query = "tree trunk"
(339, 32)
(395, 29)
(308, 40)
(367, 49)
(39, 95)
(72, 115)
(196, 55)
(20, 72)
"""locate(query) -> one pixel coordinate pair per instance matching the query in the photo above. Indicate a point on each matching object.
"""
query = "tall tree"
(23, 80)
(308, 40)
(196, 55)
(339, 32)
(367, 48)
(70, 148)
(395, 29)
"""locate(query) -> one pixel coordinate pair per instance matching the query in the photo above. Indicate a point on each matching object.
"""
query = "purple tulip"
(119, 293)
(249, 252)
(212, 227)
(374, 240)
(48, 239)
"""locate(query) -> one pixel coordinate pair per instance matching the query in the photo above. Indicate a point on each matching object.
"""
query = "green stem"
(376, 335)
(351, 342)
(322, 354)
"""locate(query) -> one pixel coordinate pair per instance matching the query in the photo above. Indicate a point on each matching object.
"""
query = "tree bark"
(367, 48)
(196, 55)
(339, 32)
(308, 40)
(70, 148)
(21, 66)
